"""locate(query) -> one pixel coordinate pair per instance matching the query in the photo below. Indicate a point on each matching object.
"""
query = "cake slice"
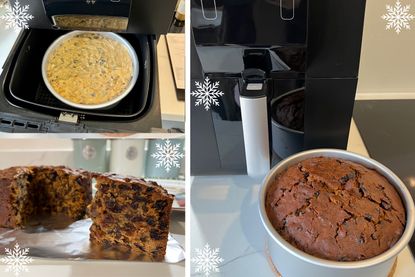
(27, 192)
(61, 190)
(15, 205)
(131, 215)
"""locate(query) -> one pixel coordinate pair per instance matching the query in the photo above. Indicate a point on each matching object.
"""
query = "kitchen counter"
(393, 143)
(46, 267)
(8, 37)
(224, 214)
(172, 110)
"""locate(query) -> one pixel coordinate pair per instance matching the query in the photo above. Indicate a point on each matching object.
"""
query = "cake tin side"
(285, 141)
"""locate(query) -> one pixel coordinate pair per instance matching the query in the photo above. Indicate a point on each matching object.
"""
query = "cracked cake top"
(335, 209)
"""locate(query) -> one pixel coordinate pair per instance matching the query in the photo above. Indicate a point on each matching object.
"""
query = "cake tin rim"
(276, 123)
(347, 155)
(127, 90)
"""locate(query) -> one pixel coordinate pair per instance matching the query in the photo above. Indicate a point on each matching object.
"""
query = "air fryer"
(298, 45)
(26, 105)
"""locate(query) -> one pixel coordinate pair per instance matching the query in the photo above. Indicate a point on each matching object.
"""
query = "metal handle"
(281, 11)
(203, 10)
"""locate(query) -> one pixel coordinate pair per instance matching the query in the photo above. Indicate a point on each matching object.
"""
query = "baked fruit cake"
(91, 22)
(131, 215)
(89, 68)
(289, 111)
(335, 209)
(26, 192)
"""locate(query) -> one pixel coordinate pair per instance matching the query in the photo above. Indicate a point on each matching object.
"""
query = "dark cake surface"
(289, 111)
(336, 209)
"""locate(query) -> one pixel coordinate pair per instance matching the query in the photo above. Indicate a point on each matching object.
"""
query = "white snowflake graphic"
(207, 93)
(168, 155)
(17, 260)
(398, 17)
(207, 260)
(16, 17)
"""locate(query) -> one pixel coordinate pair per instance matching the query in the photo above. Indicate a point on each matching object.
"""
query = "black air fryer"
(26, 105)
(262, 54)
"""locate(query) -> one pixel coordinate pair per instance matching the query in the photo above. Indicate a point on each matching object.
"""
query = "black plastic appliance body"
(26, 105)
(298, 43)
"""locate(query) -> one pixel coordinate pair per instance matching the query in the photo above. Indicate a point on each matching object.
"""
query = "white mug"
(128, 157)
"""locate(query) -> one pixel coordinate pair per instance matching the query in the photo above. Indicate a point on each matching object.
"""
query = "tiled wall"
(387, 67)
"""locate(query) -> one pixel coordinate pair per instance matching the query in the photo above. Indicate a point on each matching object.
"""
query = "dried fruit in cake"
(91, 22)
(26, 192)
(131, 214)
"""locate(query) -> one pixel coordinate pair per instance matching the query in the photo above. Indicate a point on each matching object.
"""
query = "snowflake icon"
(168, 155)
(17, 260)
(398, 17)
(207, 93)
(207, 260)
(16, 17)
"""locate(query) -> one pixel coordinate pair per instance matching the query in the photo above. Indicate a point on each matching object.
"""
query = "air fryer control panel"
(111, 15)
(247, 22)
(131, 16)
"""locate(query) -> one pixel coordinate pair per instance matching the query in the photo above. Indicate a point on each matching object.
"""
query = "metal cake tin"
(107, 104)
(285, 141)
(292, 262)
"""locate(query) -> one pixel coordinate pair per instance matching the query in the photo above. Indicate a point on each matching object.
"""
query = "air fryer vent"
(32, 126)
(20, 125)
(6, 122)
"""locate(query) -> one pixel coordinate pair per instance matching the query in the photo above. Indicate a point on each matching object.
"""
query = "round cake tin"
(292, 262)
(108, 104)
(285, 141)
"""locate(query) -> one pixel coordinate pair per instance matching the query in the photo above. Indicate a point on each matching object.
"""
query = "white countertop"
(224, 214)
(53, 268)
(7, 39)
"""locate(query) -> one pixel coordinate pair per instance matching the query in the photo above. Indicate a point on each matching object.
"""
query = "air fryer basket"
(28, 90)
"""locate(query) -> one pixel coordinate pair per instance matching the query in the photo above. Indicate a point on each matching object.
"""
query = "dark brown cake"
(289, 111)
(336, 209)
(131, 214)
(26, 192)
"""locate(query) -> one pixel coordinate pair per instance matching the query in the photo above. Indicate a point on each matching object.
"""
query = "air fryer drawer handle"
(256, 139)
(202, 5)
(288, 5)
